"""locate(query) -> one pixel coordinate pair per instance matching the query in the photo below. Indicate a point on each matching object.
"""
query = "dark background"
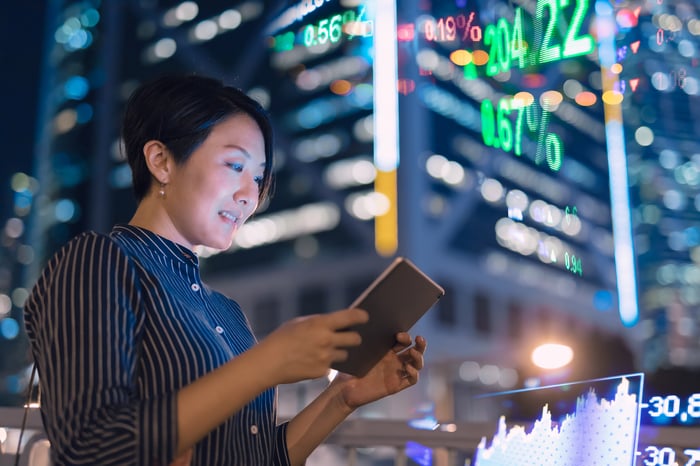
(21, 45)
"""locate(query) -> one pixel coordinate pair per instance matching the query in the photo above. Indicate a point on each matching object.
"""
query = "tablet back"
(395, 301)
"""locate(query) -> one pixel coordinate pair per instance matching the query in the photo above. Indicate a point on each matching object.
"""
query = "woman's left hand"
(396, 371)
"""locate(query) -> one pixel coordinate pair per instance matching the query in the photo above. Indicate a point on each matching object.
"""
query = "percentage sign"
(549, 145)
(357, 26)
(469, 31)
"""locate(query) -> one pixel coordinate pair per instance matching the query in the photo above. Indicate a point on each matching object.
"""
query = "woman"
(139, 361)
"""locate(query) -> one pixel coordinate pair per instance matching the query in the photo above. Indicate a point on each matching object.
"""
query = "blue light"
(90, 18)
(84, 112)
(65, 210)
(421, 454)
(603, 300)
(13, 384)
(9, 328)
(76, 87)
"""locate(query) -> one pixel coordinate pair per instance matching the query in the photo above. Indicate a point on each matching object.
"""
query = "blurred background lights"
(552, 356)
(350, 172)
(461, 57)
(586, 99)
(674, 199)
(427, 59)
(492, 190)
(644, 136)
(65, 210)
(469, 371)
(164, 48)
(9, 328)
(669, 158)
(25, 254)
(185, 11)
(5, 304)
(65, 120)
(204, 30)
(367, 205)
(76, 88)
(508, 378)
(89, 18)
(14, 227)
(612, 97)
(450, 172)
(489, 374)
(19, 296)
(572, 88)
(230, 19)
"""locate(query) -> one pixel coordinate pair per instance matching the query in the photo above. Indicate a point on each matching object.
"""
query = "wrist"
(336, 390)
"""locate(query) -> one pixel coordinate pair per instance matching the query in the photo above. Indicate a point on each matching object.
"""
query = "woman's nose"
(247, 191)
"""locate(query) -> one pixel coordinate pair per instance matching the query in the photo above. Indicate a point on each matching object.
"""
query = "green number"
(323, 31)
(553, 151)
(519, 131)
(335, 29)
(284, 42)
(503, 32)
(488, 130)
(505, 130)
(348, 16)
(573, 45)
(491, 38)
(518, 50)
(548, 52)
(309, 35)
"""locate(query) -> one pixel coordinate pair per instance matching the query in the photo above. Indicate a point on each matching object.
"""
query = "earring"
(161, 192)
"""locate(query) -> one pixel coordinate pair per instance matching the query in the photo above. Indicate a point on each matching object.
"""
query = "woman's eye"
(237, 167)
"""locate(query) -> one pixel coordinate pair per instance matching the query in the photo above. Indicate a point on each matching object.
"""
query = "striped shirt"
(118, 324)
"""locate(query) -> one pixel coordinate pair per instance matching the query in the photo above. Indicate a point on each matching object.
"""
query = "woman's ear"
(159, 160)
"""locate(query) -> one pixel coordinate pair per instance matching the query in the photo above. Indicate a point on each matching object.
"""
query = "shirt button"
(195, 287)
(219, 329)
(254, 429)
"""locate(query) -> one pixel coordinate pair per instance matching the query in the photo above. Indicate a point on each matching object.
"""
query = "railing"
(449, 444)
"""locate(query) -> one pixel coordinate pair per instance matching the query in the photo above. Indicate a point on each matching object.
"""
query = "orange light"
(386, 230)
(460, 57)
(612, 97)
(586, 98)
(340, 87)
(552, 356)
(480, 57)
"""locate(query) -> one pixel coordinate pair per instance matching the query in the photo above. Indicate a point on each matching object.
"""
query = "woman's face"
(215, 191)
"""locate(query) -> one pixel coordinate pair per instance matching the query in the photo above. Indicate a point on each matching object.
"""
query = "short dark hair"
(180, 111)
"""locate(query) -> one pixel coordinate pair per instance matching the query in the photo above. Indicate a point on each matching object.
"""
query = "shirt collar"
(160, 243)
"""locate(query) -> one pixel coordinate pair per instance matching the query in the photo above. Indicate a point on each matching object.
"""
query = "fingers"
(346, 318)
(413, 357)
(347, 338)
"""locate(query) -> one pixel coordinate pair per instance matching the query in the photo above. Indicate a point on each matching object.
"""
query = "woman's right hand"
(305, 347)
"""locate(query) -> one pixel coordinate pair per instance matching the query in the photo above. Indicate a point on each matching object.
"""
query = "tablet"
(395, 301)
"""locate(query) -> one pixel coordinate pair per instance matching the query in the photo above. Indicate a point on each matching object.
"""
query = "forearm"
(314, 423)
(210, 400)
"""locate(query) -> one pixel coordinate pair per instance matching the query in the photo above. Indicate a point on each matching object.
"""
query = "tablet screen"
(395, 301)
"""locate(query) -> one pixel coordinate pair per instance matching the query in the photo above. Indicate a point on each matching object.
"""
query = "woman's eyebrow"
(245, 152)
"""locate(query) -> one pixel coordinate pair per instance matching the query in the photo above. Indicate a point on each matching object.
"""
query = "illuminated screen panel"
(515, 94)
(594, 422)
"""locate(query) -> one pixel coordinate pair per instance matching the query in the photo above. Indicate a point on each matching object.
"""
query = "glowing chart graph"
(595, 432)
